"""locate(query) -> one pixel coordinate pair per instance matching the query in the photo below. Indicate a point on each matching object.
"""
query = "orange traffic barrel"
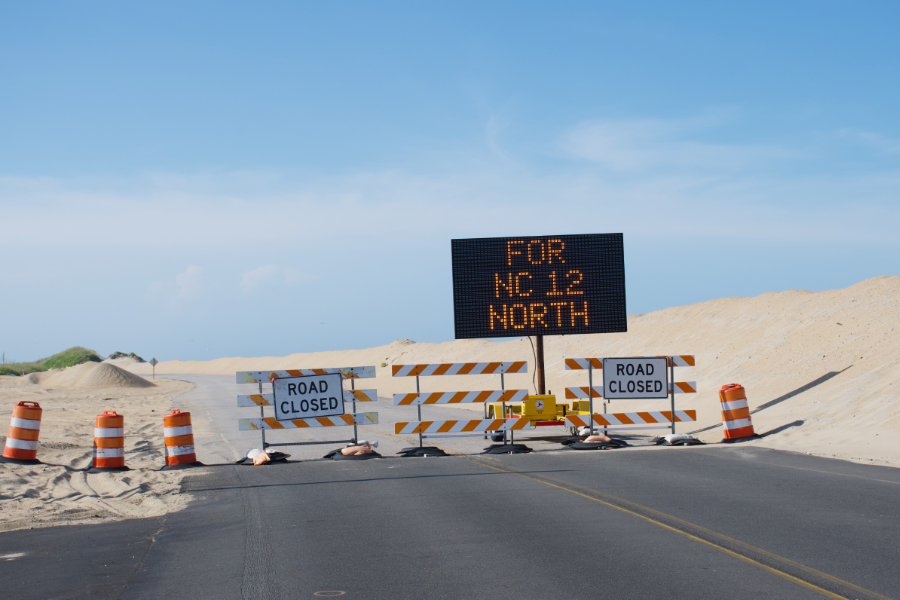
(22, 436)
(109, 441)
(735, 412)
(179, 438)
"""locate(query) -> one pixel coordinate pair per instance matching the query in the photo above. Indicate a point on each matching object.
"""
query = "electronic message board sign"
(547, 285)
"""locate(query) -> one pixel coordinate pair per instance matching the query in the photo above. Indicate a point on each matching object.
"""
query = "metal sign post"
(153, 362)
(503, 410)
(262, 415)
(539, 366)
(672, 390)
(418, 410)
(353, 387)
(591, 398)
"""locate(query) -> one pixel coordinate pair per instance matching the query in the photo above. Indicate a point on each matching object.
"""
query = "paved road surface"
(707, 522)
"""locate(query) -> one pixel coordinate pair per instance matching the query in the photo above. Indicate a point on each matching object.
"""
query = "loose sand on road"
(60, 491)
(820, 368)
(820, 371)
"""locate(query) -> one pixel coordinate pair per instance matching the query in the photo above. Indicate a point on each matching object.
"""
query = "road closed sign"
(308, 397)
(635, 378)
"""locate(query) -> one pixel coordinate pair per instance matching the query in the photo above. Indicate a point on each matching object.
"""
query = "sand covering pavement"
(822, 370)
(60, 491)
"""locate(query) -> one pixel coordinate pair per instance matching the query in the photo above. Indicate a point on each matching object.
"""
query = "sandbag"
(610, 445)
(274, 457)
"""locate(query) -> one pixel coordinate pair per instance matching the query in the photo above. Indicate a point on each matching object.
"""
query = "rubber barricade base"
(507, 449)
(423, 451)
(610, 445)
(274, 457)
(336, 455)
(106, 469)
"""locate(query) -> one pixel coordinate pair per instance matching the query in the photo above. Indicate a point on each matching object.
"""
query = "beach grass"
(66, 358)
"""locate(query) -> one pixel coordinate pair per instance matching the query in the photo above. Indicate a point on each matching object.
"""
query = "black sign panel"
(549, 285)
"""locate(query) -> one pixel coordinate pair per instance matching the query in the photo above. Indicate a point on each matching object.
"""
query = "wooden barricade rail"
(592, 391)
(636, 420)
(460, 428)
(352, 396)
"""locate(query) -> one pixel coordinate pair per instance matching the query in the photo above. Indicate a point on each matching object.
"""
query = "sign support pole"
(353, 387)
(503, 404)
(419, 410)
(539, 350)
(672, 389)
(591, 396)
(262, 415)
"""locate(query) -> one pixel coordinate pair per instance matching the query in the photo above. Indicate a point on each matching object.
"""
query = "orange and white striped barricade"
(109, 441)
(591, 391)
(735, 412)
(636, 420)
(22, 435)
(478, 427)
(351, 396)
(178, 434)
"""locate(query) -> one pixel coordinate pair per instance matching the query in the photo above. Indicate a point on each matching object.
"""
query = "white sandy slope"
(822, 369)
(60, 491)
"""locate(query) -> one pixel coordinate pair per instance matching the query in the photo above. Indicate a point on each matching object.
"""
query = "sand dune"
(60, 491)
(89, 375)
(819, 368)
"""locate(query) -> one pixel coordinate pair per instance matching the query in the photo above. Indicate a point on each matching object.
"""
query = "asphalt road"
(703, 522)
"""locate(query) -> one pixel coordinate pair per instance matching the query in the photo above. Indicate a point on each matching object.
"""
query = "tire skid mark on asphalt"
(812, 579)
(259, 579)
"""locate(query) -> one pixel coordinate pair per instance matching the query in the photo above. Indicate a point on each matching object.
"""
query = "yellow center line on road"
(590, 494)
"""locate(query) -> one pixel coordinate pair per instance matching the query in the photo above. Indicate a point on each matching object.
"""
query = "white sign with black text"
(308, 397)
(635, 378)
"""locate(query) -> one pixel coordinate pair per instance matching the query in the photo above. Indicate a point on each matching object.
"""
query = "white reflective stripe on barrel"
(21, 444)
(173, 431)
(179, 450)
(109, 432)
(25, 423)
(737, 424)
(734, 404)
(109, 452)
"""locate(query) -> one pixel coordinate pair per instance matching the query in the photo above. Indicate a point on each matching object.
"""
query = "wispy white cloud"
(177, 294)
(642, 144)
(675, 187)
(250, 280)
(875, 140)
(189, 284)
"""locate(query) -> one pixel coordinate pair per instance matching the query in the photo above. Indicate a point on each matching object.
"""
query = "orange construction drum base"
(743, 434)
(19, 461)
(93, 469)
(181, 465)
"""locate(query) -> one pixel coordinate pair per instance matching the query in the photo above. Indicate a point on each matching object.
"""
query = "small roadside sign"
(153, 363)
(308, 397)
(635, 378)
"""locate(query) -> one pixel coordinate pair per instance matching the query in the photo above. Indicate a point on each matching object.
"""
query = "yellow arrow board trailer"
(540, 410)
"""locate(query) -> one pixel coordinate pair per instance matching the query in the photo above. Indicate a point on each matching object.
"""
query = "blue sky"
(194, 180)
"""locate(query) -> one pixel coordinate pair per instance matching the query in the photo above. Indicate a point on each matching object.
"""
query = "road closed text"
(635, 378)
(308, 397)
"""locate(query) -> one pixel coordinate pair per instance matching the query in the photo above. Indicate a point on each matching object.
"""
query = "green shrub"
(67, 358)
